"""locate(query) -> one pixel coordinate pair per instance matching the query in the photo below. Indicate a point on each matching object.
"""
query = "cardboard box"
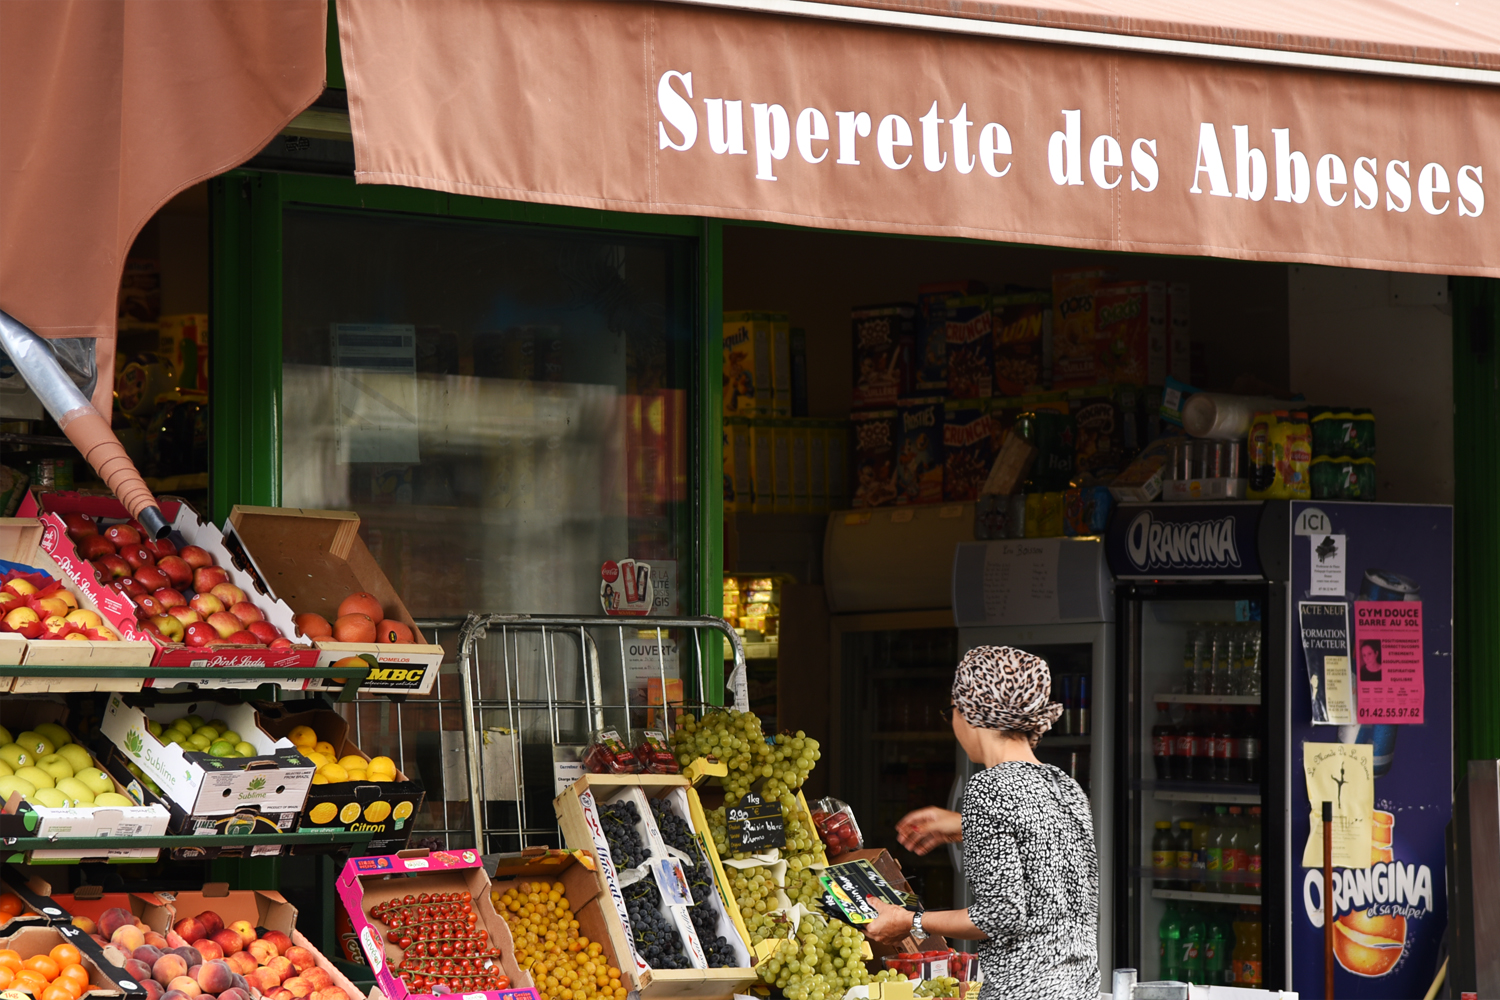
(876, 435)
(883, 344)
(580, 887)
(969, 443)
(32, 820)
(1023, 343)
(312, 560)
(21, 543)
(37, 907)
(91, 901)
(120, 612)
(368, 881)
(919, 452)
(388, 808)
(1122, 320)
(208, 790)
(1076, 358)
(971, 348)
(105, 981)
(757, 364)
(889, 869)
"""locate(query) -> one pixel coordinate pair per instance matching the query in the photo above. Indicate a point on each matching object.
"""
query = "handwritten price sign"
(755, 825)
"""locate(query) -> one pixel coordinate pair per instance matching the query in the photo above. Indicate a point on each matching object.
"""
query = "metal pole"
(1328, 900)
(471, 730)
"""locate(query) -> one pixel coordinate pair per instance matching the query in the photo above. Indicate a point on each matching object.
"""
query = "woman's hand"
(921, 831)
(892, 926)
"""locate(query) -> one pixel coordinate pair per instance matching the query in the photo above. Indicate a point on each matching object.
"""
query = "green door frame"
(245, 451)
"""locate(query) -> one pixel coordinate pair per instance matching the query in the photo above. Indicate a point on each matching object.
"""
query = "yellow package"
(1280, 454)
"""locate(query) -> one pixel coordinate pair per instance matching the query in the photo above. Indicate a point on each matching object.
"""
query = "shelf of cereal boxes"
(578, 816)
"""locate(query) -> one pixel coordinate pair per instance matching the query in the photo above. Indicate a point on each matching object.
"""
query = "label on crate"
(672, 881)
(755, 825)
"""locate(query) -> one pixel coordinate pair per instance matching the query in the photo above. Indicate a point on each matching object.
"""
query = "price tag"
(755, 825)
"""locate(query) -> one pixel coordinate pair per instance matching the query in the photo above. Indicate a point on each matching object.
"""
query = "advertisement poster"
(1327, 565)
(1389, 906)
(1325, 644)
(1388, 660)
(625, 587)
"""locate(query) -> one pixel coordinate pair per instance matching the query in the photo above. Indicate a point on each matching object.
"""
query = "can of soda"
(1062, 691)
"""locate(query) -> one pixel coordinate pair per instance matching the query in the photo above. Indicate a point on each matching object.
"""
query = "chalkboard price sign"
(755, 825)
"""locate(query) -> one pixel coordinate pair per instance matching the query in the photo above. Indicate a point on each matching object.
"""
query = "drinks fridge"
(1274, 655)
(1052, 597)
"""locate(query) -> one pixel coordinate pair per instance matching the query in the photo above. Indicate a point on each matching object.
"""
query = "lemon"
(377, 811)
(318, 779)
(322, 813)
(402, 810)
(326, 749)
(333, 772)
(352, 762)
(349, 813)
(318, 759)
(303, 736)
(382, 765)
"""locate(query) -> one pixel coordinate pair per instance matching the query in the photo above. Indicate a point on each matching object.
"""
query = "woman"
(1028, 842)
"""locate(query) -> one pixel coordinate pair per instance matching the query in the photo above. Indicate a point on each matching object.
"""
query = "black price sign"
(755, 824)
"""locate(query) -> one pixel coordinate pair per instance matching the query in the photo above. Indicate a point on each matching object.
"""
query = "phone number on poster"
(1395, 712)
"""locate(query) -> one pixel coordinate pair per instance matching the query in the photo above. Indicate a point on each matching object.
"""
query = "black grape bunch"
(675, 831)
(656, 940)
(619, 820)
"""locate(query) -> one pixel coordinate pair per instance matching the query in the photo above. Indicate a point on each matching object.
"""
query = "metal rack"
(513, 688)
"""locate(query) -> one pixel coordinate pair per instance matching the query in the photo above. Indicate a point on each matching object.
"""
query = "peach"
(262, 950)
(215, 976)
(147, 953)
(281, 967)
(154, 990)
(393, 631)
(155, 940)
(175, 940)
(175, 995)
(127, 938)
(137, 970)
(331, 993)
(186, 985)
(168, 968)
(211, 921)
(242, 962)
(229, 940)
(263, 980)
(314, 626)
(279, 994)
(319, 978)
(210, 949)
(279, 939)
(113, 919)
(298, 987)
(354, 628)
(190, 929)
(245, 929)
(87, 926)
(235, 993)
(301, 959)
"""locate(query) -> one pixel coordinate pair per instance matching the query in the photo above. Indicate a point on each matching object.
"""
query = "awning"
(1128, 125)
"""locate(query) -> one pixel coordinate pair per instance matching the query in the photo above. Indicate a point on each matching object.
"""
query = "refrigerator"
(1272, 656)
(1054, 598)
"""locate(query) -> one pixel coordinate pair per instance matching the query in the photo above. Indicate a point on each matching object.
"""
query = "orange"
(30, 979)
(10, 903)
(72, 985)
(10, 959)
(6, 975)
(57, 992)
(43, 964)
(75, 972)
(65, 954)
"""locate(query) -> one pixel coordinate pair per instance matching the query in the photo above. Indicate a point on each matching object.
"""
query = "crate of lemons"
(355, 792)
(50, 770)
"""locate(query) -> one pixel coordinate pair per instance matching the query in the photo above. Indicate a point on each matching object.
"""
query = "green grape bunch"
(823, 962)
(942, 986)
(736, 739)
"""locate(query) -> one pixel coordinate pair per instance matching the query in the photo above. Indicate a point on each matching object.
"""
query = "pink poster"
(1388, 658)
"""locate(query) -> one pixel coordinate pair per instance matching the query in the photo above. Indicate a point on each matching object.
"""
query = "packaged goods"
(1123, 332)
(1339, 477)
(1100, 447)
(968, 449)
(1221, 416)
(919, 457)
(1142, 479)
(1051, 434)
(1343, 431)
(762, 475)
(608, 754)
(653, 752)
(1023, 342)
(1086, 510)
(1280, 456)
(757, 364)
(836, 826)
(883, 342)
(739, 481)
(1012, 465)
(931, 352)
(971, 348)
(1076, 357)
(875, 437)
(781, 466)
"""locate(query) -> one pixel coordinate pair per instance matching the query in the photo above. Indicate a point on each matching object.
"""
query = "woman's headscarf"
(997, 687)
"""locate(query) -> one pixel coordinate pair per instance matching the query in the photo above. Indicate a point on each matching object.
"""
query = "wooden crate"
(575, 807)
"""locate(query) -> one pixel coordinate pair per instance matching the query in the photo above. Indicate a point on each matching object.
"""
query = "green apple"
(16, 755)
(5, 736)
(35, 775)
(96, 780)
(198, 741)
(77, 792)
(230, 736)
(182, 726)
(37, 744)
(50, 797)
(57, 734)
(196, 721)
(56, 765)
(221, 748)
(155, 788)
(244, 749)
(207, 731)
(112, 799)
(14, 783)
(75, 755)
(153, 727)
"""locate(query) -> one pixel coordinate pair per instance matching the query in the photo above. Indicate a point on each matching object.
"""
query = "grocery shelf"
(1207, 699)
(353, 838)
(165, 677)
(755, 651)
(1215, 797)
(1186, 895)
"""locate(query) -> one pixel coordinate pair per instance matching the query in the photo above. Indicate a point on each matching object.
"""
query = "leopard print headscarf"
(998, 687)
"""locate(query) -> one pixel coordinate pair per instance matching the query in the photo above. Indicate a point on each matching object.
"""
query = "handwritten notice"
(1388, 661)
(755, 825)
(1343, 774)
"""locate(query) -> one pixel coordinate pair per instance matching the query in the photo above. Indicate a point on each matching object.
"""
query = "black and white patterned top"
(1033, 876)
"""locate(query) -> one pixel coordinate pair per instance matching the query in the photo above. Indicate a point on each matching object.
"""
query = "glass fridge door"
(1192, 850)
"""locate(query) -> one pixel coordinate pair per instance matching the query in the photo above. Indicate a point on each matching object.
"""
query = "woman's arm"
(894, 923)
(924, 829)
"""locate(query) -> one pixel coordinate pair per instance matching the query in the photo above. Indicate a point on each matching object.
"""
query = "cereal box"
(919, 458)
(971, 348)
(875, 437)
(1076, 357)
(757, 364)
(1099, 436)
(739, 491)
(1023, 342)
(883, 338)
(969, 448)
(930, 357)
(762, 473)
(1123, 331)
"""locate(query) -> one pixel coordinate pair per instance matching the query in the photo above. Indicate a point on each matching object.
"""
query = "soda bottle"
(1183, 858)
(1163, 854)
(1221, 678)
(1227, 747)
(1199, 657)
(1163, 743)
(1186, 758)
(1169, 934)
(1249, 747)
(1198, 881)
(1250, 671)
(1215, 862)
(1236, 857)
(1193, 938)
(1216, 947)
(1253, 858)
(1081, 703)
(1203, 763)
(1247, 971)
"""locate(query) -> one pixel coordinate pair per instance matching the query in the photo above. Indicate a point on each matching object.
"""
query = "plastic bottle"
(1163, 854)
(1201, 649)
(1247, 971)
(1163, 743)
(1169, 935)
(1218, 941)
(1199, 880)
(1194, 936)
(1250, 672)
(1227, 747)
(1253, 862)
(1186, 757)
(1236, 858)
(1183, 860)
(1203, 766)
(1249, 746)
(1225, 649)
(1190, 656)
(1216, 838)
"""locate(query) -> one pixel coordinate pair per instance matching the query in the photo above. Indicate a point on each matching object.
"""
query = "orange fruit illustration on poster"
(1372, 945)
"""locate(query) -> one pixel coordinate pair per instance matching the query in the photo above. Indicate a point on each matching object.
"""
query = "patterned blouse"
(1033, 875)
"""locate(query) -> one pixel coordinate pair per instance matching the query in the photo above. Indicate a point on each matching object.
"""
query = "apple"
(176, 569)
(280, 643)
(149, 627)
(79, 526)
(264, 631)
(122, 535)
(152, 578)
(93, 547)
(169, 597)
(111, 568)
(206, 578)
(225, 623)
(137, 556)
(206, 604)
(196, 556)
(243, 637)
(185, 614)
(200, 634)
(150, 606)
(133, 587)
(160, 547)
(246, 612)
(170, 628)
(229, 594)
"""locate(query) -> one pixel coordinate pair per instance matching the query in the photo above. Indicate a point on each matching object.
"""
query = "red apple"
(206, 604)
(137, 556)
(177, 571)
(149, 606)
(112, 568)
(122, 535)
(225, 623)
(199, 634)
(280, 643)
(264, 631)
(160, 547)
(170, 628)
(195, 556)
(152, 578)
(169, 598)
(246, 612)
(79, 525)
(229, 594)
(149, 625)
(244, 638)
(133, 587)
(184, 614)
(206, 578)
(92, 547)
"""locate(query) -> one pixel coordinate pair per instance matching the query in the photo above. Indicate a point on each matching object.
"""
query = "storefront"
(479, 293)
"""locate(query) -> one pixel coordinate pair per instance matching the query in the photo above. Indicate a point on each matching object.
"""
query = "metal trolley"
(516, 702)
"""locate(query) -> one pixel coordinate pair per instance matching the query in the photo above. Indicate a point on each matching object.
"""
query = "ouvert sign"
(689, 110)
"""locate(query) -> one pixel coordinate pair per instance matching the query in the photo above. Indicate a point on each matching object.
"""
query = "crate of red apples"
(182, 593)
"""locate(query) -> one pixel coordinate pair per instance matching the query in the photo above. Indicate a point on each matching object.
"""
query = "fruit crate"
(578, 816)
(106, 982)
(705, 776)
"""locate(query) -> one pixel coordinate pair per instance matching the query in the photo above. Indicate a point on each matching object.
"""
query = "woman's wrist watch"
(917, 933)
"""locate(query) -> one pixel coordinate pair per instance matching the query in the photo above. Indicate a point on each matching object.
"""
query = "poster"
(1328, 565)
(625, 587)
(1325, 643)
(1344, 774)
(1388, 660)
